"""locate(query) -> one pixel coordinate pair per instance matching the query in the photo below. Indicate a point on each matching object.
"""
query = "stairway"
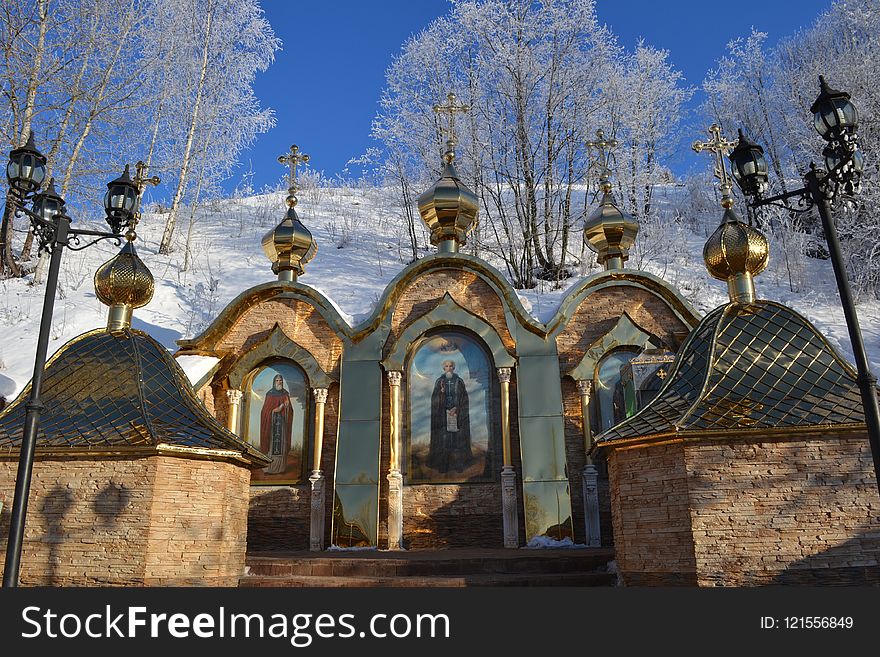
(421, 568)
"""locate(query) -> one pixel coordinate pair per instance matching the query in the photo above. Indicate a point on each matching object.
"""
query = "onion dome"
(609, 231)
(449, 208)
(124, 282)
(289, 245)
(736, 253)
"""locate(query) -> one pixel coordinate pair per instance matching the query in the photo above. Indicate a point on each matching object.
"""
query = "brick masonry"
(156, 520)
(468, 290)
(600, 311)
(799, 510)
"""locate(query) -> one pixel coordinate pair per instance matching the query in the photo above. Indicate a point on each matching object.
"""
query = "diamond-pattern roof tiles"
(750, 366)
(107, 390)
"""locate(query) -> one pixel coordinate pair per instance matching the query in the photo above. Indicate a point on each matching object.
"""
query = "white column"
(316, 526)
(232, 415)
(590, 475)
(395, 479)
(510, 519)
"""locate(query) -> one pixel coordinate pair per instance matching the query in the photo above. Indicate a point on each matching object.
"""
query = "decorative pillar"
(395, 479)
(316, 526)
(234, 397)
(508, 475)
(590, 475)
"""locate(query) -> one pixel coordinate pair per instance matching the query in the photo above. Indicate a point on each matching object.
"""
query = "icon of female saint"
(276, 421)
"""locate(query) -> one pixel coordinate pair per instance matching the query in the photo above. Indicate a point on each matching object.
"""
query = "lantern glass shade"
(120, 199)
(26, 169)
(833, 159)
(47, 204)
(749, 165)
(834, 116)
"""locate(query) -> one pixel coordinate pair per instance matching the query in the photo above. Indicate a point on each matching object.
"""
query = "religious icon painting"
(275, 421)
(449, 411)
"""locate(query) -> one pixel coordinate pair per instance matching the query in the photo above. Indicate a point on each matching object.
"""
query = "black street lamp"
(836, 120)
(26, 172)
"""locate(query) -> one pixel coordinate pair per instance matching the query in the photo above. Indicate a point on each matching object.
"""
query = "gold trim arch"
(448, 313)
(278, 345)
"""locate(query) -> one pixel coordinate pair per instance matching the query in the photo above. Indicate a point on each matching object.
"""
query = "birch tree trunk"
(8, 266)
(165, 244)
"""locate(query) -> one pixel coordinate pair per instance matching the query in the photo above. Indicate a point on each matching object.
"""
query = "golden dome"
(735, 248)
(449, 209)
(289, 245)
(735, 253)
(609, 231)
(124, 282)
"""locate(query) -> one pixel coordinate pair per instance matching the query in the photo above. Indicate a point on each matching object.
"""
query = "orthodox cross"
(293, 160)
(451, 108)
(141, 181)
(720, 148)
(604, 147)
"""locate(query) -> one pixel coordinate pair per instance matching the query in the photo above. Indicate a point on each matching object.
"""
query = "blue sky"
(325, 83)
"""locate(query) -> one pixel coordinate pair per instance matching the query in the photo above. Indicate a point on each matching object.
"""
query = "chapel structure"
(450, 417)
(724, 450)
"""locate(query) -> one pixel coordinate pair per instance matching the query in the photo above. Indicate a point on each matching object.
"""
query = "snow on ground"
(360, 250)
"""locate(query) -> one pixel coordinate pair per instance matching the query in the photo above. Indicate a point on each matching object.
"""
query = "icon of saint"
(450, 447)
(276, 422)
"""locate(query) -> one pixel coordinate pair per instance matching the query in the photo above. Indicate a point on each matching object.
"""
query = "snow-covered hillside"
(225, 259)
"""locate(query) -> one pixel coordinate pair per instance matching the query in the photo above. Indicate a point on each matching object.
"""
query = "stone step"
(473, 567)
(496, 579)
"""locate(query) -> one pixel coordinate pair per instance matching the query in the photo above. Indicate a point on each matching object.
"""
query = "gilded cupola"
(289, 246)
(735, 252)
(609, 231)
(448, 207)
(124, 282)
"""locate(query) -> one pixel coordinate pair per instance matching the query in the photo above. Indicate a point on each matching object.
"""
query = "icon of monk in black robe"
(276, 421)
(450, 448)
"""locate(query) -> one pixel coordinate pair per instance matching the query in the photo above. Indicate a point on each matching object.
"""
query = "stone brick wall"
(279, 516)
(602, 309)
(802, 510)
(439, 516)
(799, 510)
(466, 288)
(653, 543)
(299, 320)
(130, 521)
(197, 529)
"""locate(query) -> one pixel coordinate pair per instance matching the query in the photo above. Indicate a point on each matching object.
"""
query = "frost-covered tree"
(218, 46)
(538, 77)
(768, 92)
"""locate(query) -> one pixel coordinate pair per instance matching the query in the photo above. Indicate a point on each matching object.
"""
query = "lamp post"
(836, 120)
(26, 171)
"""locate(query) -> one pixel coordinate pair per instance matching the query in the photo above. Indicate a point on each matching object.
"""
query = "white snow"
(7, 386)
(545, 542)
(226, 259)
(196, 367)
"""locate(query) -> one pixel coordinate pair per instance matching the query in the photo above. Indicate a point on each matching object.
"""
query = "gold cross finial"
(140, 182)
(720, 148)
(451, 108)
(604, 147)
(293, 160)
